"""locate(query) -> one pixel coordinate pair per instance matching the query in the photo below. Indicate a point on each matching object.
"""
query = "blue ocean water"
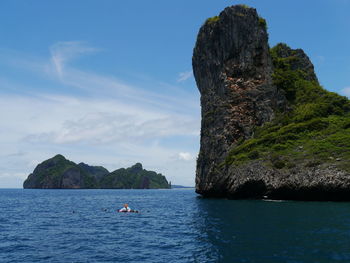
(173, 226)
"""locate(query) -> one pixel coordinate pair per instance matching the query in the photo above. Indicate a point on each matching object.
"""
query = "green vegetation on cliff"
(58, 172)
(134, 177)
(262, 22)
(213, 19)
(314, 127)
(244, 6)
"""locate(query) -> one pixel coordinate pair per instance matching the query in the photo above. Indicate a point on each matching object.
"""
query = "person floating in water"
(126, 209)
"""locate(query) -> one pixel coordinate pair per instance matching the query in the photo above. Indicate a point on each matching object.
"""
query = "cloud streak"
(183, 76)
(63, 52)
(346, 91)
(99, 121)
(106, 122)
(185, 156)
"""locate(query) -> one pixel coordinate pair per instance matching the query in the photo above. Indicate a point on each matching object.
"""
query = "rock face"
(60, 173)
(232, 67)
(134, 177)
(244, 86)
(300, 61)
(96, 171)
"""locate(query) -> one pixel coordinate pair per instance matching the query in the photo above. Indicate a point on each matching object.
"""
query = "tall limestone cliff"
(260, 110)
(233, 69)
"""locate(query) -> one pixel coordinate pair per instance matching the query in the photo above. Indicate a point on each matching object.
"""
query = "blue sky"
(110, 82)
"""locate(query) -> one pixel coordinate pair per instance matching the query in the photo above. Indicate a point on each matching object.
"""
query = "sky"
(110, 82)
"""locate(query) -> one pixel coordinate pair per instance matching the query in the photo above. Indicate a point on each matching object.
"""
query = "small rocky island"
(60, 173)
(269, 130)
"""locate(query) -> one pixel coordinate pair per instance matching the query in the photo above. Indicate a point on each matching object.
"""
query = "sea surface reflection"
(272, 231)
(173, 226)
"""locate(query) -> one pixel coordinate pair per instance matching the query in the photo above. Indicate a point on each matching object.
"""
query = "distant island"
(175, 186)
(60, 173)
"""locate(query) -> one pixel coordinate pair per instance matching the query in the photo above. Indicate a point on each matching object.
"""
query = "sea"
(173, 225)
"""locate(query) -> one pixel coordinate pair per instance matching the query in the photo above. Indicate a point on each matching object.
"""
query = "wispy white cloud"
(183, 76)
(58, 69)
(96, 122)
(95, 131)
(185, 156)
(111, 122)
(346, 91)
(320, 59)
(12, 180)
(63, 52)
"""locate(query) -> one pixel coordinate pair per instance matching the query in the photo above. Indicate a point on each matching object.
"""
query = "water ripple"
(172, 226)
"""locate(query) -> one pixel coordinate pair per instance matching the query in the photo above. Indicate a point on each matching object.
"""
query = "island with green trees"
(60, 173)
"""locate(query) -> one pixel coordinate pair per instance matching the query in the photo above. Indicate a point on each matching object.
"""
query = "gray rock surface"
(302, 62)
(96, 171)
(233, 70)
